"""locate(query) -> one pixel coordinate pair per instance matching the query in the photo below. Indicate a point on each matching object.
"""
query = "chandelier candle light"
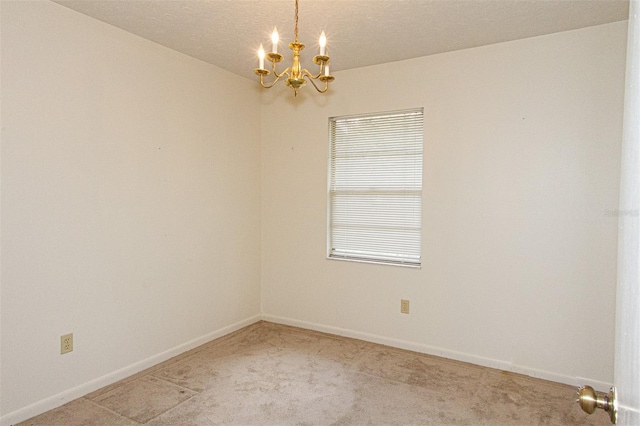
(295, 74)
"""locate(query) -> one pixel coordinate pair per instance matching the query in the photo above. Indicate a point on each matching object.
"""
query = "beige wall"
(130, 204)
(521, 170)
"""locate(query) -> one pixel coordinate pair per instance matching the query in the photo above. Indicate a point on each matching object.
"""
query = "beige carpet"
(269, 374)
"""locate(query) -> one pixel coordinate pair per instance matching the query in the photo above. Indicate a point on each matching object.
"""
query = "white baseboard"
(93, 385)
(445, 353)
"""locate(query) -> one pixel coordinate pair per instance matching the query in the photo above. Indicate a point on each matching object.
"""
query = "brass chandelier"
(295, 74)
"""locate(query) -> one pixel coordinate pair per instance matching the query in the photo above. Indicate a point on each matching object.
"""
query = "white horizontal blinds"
(375, 187)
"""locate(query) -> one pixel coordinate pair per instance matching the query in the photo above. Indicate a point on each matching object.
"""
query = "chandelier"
(295, 74)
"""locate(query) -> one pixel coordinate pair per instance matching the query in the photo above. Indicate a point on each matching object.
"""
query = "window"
(375, 187)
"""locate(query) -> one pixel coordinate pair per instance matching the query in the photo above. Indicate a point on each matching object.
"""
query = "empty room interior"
(155, 198)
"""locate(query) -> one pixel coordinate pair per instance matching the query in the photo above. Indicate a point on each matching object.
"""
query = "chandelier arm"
(311, 76)
(286, 71)
(312, 80)
(315, 77)
(269, 86)
(283, 73)
(308, 74)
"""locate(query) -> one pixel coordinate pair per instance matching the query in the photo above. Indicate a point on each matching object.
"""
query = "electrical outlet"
(66, 343)
(404, 306)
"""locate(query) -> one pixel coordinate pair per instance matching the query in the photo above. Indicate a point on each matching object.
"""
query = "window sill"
(377, 262)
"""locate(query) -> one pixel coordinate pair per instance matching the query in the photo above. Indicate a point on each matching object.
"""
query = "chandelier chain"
(296, 29)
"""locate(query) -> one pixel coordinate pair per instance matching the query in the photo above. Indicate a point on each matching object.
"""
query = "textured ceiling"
(226, 33)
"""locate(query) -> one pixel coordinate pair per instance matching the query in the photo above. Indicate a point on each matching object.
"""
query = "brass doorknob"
(589, 400)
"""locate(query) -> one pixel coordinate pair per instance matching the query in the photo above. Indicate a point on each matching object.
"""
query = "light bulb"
(323, 43)
(274, 39)
(261, 56)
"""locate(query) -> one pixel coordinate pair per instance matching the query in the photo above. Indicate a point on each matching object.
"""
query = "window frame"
(409, 261)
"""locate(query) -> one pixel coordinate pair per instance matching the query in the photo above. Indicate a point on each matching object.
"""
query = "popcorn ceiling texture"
(360, 32)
